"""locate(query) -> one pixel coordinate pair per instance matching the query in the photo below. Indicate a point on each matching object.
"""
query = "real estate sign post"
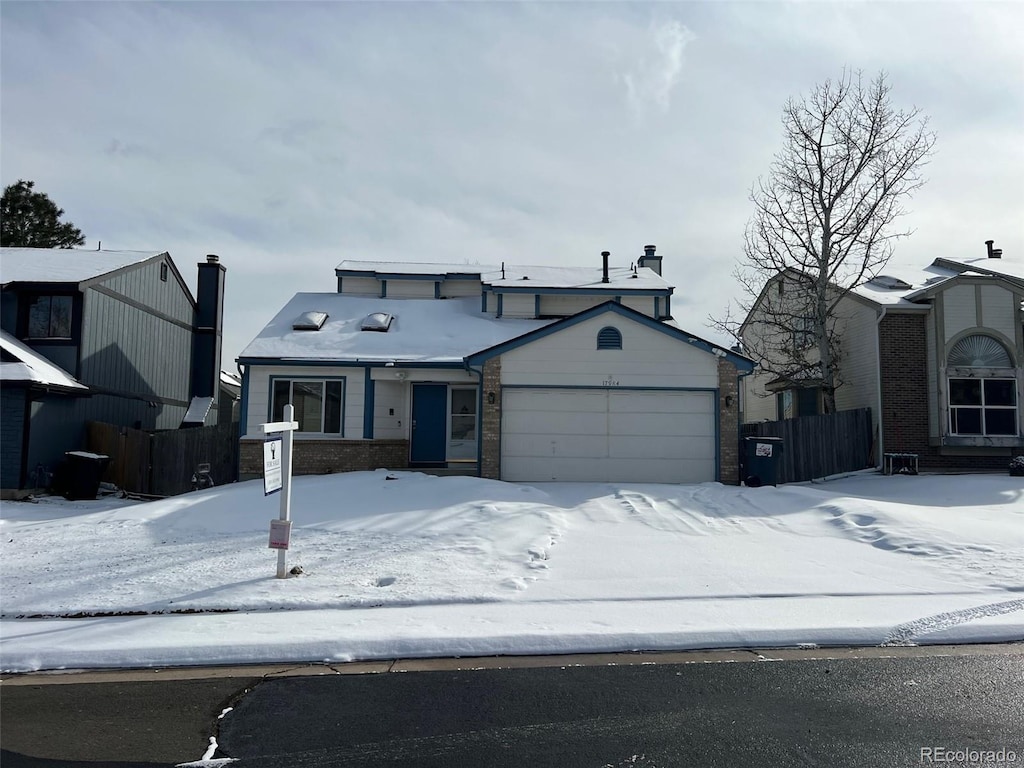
(277, 475)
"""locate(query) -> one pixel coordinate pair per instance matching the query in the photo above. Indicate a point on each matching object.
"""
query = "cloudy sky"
(286, 137)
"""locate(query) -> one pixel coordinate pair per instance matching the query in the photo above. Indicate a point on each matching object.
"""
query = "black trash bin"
(82, 473)
(761, 458)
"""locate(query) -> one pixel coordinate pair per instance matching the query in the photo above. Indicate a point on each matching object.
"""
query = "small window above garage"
(309, 321)
(377, 321)
(609, 338)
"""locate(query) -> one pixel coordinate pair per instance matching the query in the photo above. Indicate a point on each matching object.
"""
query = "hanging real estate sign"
(272, 466)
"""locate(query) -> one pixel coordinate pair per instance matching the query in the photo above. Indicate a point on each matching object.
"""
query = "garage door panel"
(608, 436)
(661, 402)
(648, 448)
(660, 424)
(555, 424)
(563, 446)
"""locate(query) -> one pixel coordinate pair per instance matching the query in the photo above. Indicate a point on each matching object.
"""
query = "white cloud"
(651, 80)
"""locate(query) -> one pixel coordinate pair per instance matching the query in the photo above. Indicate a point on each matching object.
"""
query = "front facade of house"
(121, 325)
(938, 358)
(514, 373)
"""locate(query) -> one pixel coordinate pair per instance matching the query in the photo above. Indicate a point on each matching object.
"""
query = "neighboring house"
(938, 356)
(112, 336)
(230, 402)
(513, 373)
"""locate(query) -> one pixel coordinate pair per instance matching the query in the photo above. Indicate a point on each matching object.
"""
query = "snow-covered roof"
(619, 278)
(938, 272)
(423, 330)
(1009, 266)
(63, 265)
(29, 366)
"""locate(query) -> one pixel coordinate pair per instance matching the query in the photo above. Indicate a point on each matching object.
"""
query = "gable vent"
(309, 321)
(377, 321)
(609, 338)
(888, 281)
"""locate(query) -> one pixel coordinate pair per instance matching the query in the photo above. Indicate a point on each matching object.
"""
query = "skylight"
(888, 281)
(309, 321)
(377, 321)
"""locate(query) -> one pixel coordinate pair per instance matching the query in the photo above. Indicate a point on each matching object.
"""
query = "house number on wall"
(610, 382)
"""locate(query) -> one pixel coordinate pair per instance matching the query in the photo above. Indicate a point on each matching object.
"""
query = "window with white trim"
(317, 402)
(982, 389)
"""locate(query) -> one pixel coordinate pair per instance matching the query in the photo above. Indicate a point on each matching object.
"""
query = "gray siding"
(12, 425)
(128, 350)
(145, 286)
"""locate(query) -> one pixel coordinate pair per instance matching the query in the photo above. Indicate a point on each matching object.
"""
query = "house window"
(317, 402)
(163, 271)
(49, 317)
(463, 414)
(984, 406)
(982, 388)
(609, 338)
(803, 332)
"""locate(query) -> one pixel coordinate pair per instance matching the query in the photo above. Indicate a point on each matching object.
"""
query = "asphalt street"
(880, 707)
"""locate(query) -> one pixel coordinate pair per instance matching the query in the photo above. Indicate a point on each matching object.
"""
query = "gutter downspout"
(880, 457)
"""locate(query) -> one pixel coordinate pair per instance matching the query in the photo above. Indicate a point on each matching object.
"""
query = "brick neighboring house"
(938, 357)
(523, 373)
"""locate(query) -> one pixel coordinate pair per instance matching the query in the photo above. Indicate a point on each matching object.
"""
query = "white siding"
(858, 366)
(458, 288)
(643, 304)
(959, 310)
(998, 310)
(410, 289)
(259, 395)
(360, 286)
(390, 410)
(648, 358)
(758, 403)
(563, 305)
(517, 305)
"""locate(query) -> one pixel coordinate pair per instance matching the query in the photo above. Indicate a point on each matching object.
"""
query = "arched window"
(609, 338)
(978, 352)
(982, 398)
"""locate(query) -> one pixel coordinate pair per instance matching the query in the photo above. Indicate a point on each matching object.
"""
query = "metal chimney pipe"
(604, 259)
(988, 244)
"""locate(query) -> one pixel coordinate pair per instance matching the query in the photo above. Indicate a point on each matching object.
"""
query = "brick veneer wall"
(728, 424)
(320, 457)
(490, 421)
(904, 361)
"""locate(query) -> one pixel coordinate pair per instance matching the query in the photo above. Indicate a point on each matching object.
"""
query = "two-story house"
(524, 373)
(936, 354)
(111, 336)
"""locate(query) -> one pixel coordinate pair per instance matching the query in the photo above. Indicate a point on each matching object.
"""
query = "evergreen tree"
(32, 220)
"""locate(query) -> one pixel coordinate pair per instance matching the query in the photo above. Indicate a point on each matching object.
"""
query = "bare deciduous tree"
(824, 218)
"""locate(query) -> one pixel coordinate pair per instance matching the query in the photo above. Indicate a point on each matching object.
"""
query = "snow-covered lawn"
(405, 564)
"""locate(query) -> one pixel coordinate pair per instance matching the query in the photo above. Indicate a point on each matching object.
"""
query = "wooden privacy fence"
(817, 446)
(162, 463)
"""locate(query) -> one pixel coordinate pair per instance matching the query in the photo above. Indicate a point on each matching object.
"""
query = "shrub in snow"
(1017, 466)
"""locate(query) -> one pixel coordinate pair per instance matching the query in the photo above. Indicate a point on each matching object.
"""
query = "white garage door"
(587, 435)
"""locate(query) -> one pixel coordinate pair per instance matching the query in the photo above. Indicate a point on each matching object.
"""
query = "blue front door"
(429, 423)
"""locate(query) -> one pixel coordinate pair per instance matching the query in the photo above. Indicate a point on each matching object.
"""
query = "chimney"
(649, 259)
(208, 329)
(993, 253)
(604, 259)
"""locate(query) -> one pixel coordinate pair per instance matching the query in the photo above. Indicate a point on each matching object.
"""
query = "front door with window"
(429, 424)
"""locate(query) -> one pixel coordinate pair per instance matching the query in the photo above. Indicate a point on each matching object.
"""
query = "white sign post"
(280, 529)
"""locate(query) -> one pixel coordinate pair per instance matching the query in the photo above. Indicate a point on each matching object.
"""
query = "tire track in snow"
(906, 634)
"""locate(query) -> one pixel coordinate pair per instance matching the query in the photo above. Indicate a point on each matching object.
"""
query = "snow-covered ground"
(407, 565)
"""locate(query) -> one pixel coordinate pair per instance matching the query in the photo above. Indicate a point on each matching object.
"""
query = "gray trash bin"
(761, 457)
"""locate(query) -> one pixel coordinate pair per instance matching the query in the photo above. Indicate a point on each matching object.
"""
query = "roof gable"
(741, 362)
